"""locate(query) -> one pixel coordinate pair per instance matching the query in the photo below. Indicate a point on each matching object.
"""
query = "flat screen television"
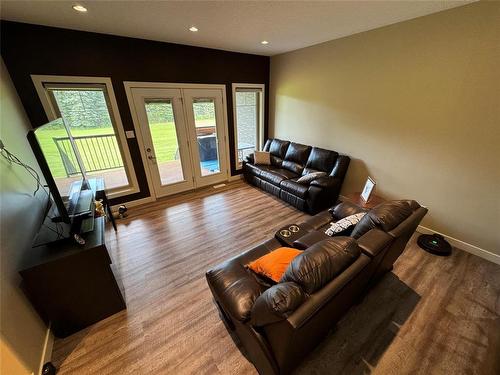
(61, 165)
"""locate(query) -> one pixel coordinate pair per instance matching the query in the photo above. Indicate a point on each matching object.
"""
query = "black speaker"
(434, 244)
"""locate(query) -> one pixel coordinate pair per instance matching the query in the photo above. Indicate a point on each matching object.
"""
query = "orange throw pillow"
(274, 264)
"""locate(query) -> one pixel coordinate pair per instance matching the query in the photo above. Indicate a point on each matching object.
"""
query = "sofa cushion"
(273, 178)
(267, 145)
(276, 175)
(320, 160)
(278, 148)
(321, 263)
(276, 161)
(309, 239)
(296, 157)
(295, 188)
(385, 216)
(256, 170)
(277, 303)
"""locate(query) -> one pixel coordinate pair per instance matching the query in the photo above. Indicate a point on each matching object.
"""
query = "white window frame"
(260, 127)
(41, 80)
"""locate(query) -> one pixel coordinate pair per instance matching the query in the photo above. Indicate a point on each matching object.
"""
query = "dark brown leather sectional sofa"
(278, 325)
(290, 161)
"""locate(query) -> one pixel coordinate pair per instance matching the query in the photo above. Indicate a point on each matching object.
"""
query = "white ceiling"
(230, 25)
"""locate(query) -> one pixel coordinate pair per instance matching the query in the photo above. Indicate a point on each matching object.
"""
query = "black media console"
(72, 286)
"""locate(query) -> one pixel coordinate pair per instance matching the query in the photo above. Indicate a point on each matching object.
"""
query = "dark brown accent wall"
(33, 49)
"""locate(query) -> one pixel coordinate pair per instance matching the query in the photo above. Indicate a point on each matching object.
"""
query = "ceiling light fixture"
(264, 42)
(193, 29)
(79, 8)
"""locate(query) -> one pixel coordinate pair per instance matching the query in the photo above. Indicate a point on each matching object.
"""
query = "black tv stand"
(70, 285)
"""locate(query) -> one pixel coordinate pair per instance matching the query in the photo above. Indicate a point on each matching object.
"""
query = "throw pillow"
(306, 179)
(262, 157)
(274, 264)
(344, 224)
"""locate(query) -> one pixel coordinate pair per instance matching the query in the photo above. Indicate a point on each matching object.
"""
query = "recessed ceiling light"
(264, 42)
(79, 8)
(193, 29)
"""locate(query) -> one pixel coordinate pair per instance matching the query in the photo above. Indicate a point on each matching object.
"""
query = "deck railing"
(99, 152)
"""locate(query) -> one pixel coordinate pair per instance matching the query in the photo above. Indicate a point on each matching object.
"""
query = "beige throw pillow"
(306, 179)
(261, 157)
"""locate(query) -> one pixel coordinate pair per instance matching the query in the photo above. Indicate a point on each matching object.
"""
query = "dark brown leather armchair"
(278, 325)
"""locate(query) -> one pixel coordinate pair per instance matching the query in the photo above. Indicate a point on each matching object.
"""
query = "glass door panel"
(248, 116)
(206, 135)
(86, 112)
(161, 122)
(160, 117)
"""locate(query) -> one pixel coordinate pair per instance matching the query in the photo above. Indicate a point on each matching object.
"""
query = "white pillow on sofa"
(344, 224)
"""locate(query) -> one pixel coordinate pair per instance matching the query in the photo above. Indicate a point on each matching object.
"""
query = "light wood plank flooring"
(431, 315)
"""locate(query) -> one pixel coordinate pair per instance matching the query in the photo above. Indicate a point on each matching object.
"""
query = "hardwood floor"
(431, 315)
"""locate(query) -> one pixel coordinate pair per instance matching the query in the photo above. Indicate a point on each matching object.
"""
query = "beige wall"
(417, 107)
(22, 333)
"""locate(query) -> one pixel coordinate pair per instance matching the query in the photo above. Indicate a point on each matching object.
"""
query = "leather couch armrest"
(374, 241)
(340, 168)
(316, 222)
(234, 288)
(316, 301)
(277, 303)
(310, 239)
(249, 159)
(343, 209)
(326, 182)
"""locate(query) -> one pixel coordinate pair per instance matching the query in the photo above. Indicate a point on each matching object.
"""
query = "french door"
(183, 136)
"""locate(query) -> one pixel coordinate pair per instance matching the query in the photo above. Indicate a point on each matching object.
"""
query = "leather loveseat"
(278, 325)
(290, 161)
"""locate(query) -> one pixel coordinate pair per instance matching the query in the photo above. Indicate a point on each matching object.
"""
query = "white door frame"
(129, 85)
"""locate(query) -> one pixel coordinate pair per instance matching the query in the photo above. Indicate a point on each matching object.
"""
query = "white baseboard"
(485, 254)
(47, 349)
